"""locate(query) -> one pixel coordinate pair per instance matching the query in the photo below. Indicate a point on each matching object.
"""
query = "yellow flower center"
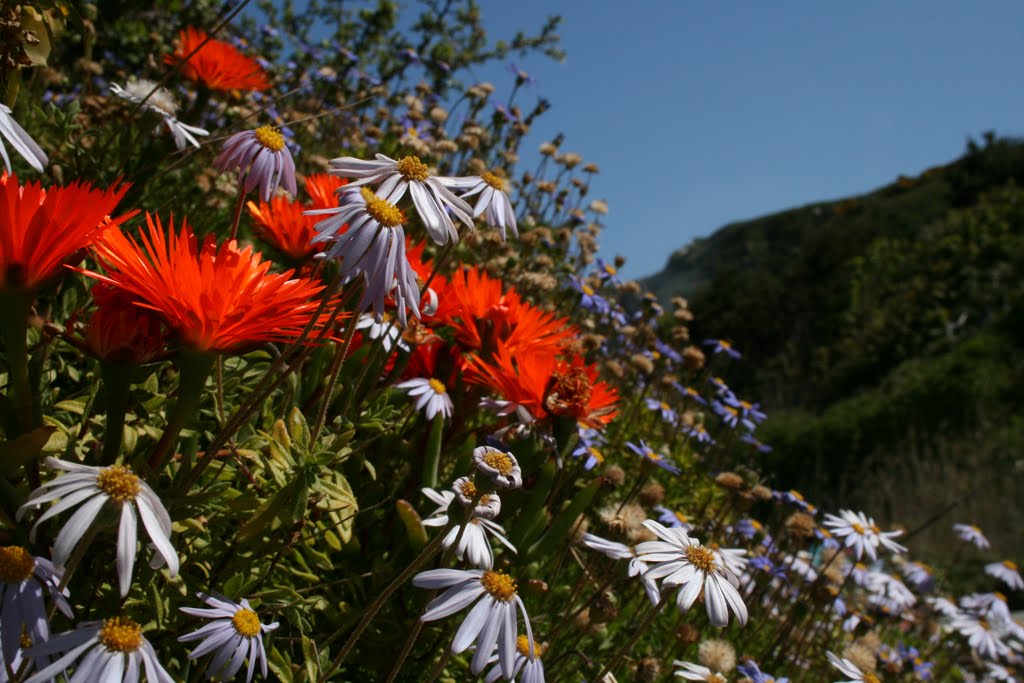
(610, 269)
(499, 461)
(412, 168)
(870, 678)
(596, 454)
(858, 528)
(495, 181)
(119, 483)
(523, 645)
(26, 639)
(682, 518)
(121, 634)
(716, 678)
(16, 564)
(588, 290)
(700, 557)
(437, 385)
(500, 585)
(999, 596)
(468, 489)
(381, 210)
(246, 623)
(270, 137)
(1009, 564)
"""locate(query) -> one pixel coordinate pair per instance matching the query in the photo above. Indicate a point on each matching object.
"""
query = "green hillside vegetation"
(884, 334)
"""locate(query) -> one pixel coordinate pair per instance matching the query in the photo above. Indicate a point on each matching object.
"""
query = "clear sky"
(703, 113)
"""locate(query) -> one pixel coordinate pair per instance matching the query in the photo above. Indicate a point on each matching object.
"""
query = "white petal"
(127, 537)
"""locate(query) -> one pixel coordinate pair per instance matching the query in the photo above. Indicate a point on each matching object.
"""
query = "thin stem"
(117, 382)
(194, 369)
(644, 625)
(237, 216)
(333, 373)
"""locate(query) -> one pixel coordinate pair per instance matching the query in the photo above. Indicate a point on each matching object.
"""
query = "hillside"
(884, 330)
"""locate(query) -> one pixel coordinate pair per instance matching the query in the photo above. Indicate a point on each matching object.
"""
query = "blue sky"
(703, 113)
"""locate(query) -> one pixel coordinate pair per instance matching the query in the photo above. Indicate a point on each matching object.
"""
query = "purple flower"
(722, 346)
(262, 160)
(662, 408)
(648, 454)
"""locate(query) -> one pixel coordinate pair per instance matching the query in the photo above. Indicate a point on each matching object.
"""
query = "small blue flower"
(750, 669)
(671, 518)
(722, 346)
(758, 445)
(647, 453)
(663, 409)
(690, 393)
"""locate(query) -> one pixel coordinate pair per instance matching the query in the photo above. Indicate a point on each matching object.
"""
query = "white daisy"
(112, 651)
(474, 545)
(528, 663)
(695, 672)
(680, 560)
(432, 396)
(162, 104)
(115, 488)
(22, 580)
(621, 551)
(373, 247)
(487, 507)
(985, 637)
(493, 202)
(1007, 572)
(21, 141)
(387, 330)
(491, 623)
(234, 634)
(969, 533)
(859, 532)
(501, 467)
(262, 160)
(992, 606)
(848, 668)
(429, 193)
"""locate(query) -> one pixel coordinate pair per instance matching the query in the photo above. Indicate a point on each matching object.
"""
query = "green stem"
(117, 380)
(14, 310)
(626, 647)
(194, 367)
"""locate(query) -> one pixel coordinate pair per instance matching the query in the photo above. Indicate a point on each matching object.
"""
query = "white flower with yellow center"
(972, 534)
(262, 160)
(487, 505)
(493, 202)
(474, 545)
(528, 666)
(1007, 572)
(234, 635)
(621, 551)
(499, 466)
(161, 103)
(20, 140)
(94, 489)
(432, 396)
(111, 651)
(490, 624)
(23, 577)
(859, 532)
(680, 560)
(696, 672)
(430, 195)
(848, 668)
(373, 246)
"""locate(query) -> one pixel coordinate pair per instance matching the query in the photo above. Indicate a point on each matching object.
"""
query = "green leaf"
(298, 429)
(559, 530)
(267, 512)
(312, 662)
(414, 530)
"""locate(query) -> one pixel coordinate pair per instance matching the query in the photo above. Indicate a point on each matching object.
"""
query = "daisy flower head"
(696, 672)
(431, 197)
(493, 202)
(372, 247)
(20, 140)
(112, 650)
(387, 330)
(488, 505)
(23, 579)
(848, 668)
(45, 228)
(94, 489)
(722, 346)
(474, 544)
(649, 455)
(680, 560)
(431, 396)
(161, 103)
(969, 533)
(262, 160)
(233, 634)
(284, 224)
(528, 663)
(501, 467)
(859, 532)
(983, 636)
(1007, 572)
(215, 63)
(621, 551)
(220, 299)
(491, 623)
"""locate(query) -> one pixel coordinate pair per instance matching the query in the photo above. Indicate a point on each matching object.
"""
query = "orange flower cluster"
(217, 64)
(283, 224)
(213, 298)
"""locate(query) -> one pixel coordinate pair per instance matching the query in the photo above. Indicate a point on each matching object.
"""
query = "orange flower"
(217, 64)
(121, 332)
(546, 385)
(474, 305)
(41, 229)
(214, 298)
(283, 224)
(322, 189)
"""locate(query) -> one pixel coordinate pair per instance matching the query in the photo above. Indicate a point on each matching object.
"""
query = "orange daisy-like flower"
(322, 189)
(217, 64)
(283, 224)
(214, 298)
(41, 229)
(546, 385)
(120, 331)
